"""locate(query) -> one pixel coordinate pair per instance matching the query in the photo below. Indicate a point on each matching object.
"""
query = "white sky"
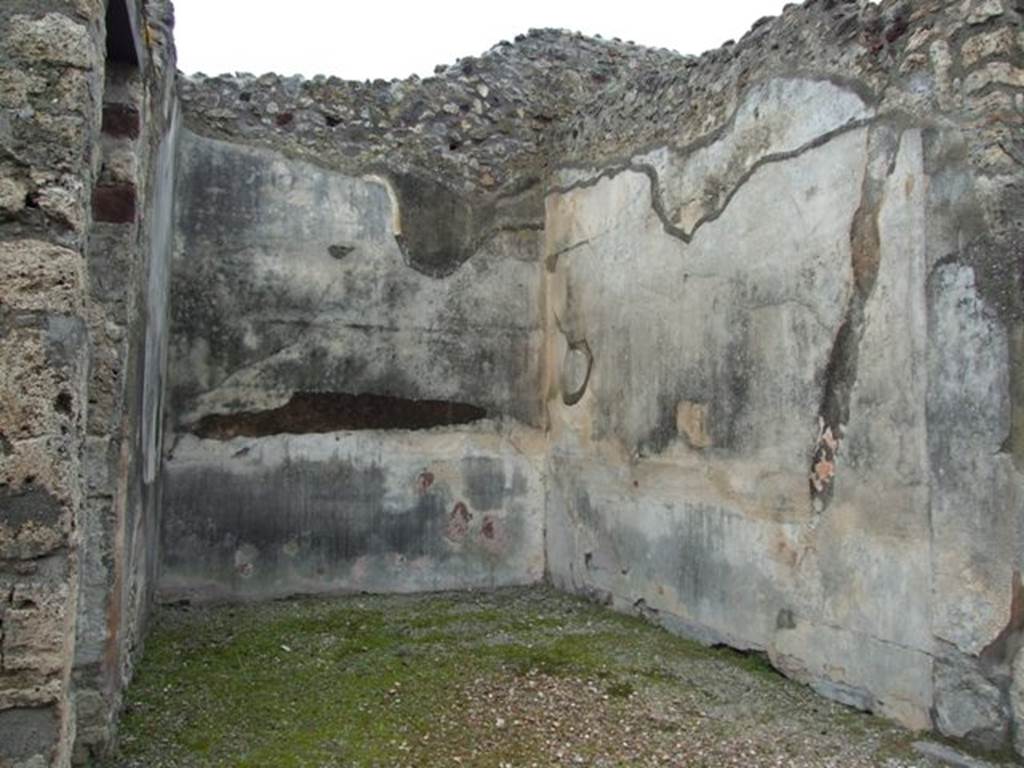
(368, 39)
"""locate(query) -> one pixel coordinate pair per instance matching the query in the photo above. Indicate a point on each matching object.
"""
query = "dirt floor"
(509, 678)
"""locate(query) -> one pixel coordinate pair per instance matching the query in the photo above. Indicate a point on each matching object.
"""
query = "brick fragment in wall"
(121, 120)
(114, 203)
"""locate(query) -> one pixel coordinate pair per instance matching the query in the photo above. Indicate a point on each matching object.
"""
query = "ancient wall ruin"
(86, 168)
(732, 341)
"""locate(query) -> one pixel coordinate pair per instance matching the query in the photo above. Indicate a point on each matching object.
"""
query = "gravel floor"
(509, 678)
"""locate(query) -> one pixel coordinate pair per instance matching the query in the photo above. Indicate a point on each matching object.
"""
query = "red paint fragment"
(460, 510)
(458, 521)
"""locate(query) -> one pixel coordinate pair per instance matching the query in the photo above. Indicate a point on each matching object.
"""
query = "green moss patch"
(514, 677)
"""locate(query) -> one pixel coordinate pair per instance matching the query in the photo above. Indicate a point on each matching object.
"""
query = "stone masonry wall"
(80, 85)
(127, 259)
(780, 302)
(52, 85)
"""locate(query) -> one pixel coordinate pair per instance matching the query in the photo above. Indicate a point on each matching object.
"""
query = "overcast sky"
(368, 39)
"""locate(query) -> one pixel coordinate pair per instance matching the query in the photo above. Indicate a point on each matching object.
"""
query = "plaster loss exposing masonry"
(736, 341)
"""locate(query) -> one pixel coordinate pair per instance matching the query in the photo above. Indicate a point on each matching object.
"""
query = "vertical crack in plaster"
(840, 375)
(9, 600)
(1014, 444)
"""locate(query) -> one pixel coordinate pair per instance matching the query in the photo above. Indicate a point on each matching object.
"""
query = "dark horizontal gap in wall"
(320, 412)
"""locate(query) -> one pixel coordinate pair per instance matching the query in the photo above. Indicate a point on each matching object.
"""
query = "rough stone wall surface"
(127, 257)
(71, 170)
(50, 84)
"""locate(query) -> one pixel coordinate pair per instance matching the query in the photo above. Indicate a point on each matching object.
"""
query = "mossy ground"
(510, 678)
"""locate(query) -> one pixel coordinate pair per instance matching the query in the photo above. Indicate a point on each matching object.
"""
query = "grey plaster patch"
(29, 506)
(28, 732)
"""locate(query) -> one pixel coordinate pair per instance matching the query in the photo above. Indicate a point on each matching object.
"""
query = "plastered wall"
(743, 329)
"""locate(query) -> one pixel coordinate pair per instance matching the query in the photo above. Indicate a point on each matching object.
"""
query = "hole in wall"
(340, 251)
(320, 412)
(62, 403)
(121, 48)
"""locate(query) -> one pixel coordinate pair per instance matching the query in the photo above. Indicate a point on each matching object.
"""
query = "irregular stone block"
(967, 704)
(29, 386)
(63, 205)
(32, 523)
(40, 463)
(985, 45)
(34, 626)
(17, 85)
(980, 11)
(994, 73)
(52, 39)
(36, 275)
(29, 688)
